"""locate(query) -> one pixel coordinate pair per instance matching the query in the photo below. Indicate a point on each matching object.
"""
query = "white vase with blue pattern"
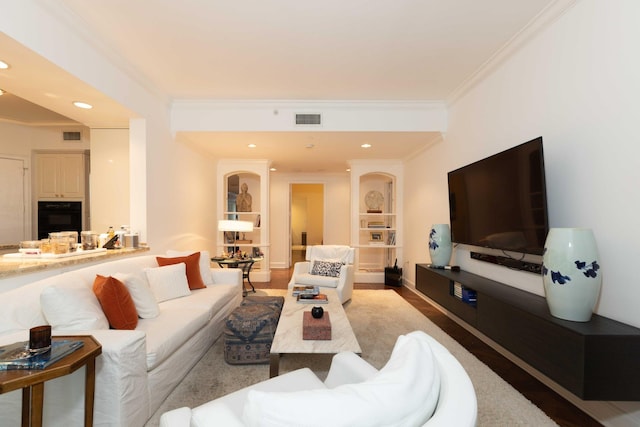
(571, 273)
(440, 244)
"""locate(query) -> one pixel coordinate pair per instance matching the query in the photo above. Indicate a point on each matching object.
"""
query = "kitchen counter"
(15, 272)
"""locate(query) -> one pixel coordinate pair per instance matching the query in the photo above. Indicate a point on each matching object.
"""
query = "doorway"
(13, 207)
(307, 219)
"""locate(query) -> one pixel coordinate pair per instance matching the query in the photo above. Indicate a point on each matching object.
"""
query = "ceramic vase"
(571, 273)
(440, 244)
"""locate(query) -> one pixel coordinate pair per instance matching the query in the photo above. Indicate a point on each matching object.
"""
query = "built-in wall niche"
(244, 196)
(243, 204)
(376, 229)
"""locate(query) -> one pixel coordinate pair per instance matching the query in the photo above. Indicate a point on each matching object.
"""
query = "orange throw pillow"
(194, 278)
(116, 302)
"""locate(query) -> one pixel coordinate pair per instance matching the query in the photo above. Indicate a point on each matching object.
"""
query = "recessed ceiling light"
(366, 146)
(309, 146)
(252, 145)
(348, 169)
(3, 65)
(84, 105)
(273, 169)
(1, 92)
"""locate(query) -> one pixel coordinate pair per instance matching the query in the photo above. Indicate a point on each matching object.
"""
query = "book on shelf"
(376, 224)
(306, 290)
(18, 356)
(313, 299)
(391, 239)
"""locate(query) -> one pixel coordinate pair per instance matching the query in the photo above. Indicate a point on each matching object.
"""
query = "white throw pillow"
(205, 264)
(168, 282)
(403, 393)
(72, 307)
(144, 300)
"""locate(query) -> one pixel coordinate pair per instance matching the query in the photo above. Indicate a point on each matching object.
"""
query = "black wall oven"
(59, 216)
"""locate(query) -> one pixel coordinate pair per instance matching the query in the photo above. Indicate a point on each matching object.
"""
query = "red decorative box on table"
(316, 329)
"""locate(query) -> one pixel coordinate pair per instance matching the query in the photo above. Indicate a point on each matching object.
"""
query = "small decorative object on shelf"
(571, 273)
(440, 244)
(244, 199)
(374, 201)
(317, 312)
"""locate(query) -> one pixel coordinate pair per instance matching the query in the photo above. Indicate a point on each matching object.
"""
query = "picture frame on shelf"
(375, 236)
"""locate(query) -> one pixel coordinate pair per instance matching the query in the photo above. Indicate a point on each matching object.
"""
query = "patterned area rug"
(377, 318)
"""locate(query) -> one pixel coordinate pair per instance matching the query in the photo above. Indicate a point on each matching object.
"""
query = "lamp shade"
(231, 225)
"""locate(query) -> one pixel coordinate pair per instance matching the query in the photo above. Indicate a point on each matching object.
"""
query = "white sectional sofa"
(137, 368)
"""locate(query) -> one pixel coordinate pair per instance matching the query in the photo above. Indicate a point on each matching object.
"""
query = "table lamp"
(235, 227)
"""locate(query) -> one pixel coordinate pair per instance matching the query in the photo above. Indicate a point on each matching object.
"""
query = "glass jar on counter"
(59, 243)
(45, 246)
(89, 240)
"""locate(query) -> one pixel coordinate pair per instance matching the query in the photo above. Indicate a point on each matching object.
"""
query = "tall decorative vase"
(571, 273)
(440, 244)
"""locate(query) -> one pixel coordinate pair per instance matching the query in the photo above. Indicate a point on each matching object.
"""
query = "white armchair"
(422, 384)
(327, 266)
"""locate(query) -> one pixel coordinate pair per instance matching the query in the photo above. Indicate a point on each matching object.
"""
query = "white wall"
(19, 140)
(576, 85)
(110, 191)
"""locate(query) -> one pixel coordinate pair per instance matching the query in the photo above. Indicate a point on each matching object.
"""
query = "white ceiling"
(287, 50)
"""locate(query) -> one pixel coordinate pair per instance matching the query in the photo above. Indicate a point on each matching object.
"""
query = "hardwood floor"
(555, 406)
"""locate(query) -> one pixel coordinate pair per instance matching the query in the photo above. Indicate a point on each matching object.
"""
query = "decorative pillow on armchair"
(326, 268)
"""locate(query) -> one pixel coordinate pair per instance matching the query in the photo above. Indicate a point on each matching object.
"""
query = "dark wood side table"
(32, 381)
(244, 264)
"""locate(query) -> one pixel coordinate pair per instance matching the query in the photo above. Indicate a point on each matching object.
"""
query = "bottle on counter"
(110, 233)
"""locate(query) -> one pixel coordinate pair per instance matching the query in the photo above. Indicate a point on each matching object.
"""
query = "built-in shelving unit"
(594, 360)
(231, 177)
(376, 229)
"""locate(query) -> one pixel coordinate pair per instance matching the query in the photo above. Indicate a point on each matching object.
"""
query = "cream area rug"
(377, 317)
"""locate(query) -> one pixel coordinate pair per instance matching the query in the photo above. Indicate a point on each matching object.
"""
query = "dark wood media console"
(594, 360)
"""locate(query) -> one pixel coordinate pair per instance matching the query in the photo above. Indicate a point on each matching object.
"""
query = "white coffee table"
(288, 336)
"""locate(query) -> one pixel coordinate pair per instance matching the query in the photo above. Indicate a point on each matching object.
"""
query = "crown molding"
(539, 23)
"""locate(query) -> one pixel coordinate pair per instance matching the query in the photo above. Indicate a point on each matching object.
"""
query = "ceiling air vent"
(72, 136)
(308, 119)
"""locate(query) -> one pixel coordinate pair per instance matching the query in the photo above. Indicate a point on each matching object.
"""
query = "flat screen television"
(501, 202)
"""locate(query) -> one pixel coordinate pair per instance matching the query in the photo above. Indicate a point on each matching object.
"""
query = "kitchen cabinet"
(60, 176)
